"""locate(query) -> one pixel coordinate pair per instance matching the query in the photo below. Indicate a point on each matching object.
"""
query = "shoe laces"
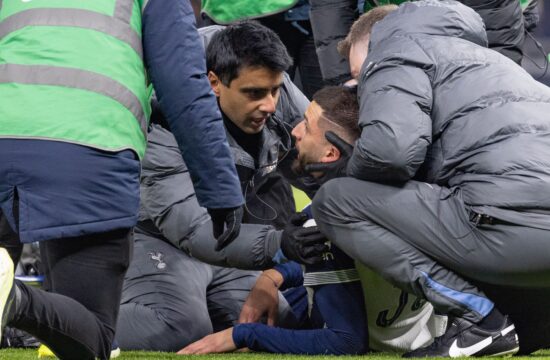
(452, 331)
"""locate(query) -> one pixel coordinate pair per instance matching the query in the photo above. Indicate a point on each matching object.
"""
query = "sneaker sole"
(505, 353)
(6, 282)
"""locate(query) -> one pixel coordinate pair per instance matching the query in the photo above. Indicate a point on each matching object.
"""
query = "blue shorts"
(65, 190)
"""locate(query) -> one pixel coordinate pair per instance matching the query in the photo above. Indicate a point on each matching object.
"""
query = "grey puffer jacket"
(170, 211)
(169, 207)
(436, 105)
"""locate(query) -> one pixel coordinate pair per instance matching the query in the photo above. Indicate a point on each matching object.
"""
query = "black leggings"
(77, 319)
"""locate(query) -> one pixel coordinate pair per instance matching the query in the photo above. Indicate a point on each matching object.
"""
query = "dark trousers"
(77, 319)
(9, 239)
(170, 299)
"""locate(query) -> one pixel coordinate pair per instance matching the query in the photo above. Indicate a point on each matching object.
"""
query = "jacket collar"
(273, 137)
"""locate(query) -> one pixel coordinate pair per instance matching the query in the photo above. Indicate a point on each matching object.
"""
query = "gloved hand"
(304, 245)
(335, 169)
(231, 218)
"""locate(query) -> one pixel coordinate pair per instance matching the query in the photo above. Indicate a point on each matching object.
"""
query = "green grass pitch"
(143, 355)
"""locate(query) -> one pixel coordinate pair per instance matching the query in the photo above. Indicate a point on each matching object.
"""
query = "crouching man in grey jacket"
(448, 190)
(175, 291)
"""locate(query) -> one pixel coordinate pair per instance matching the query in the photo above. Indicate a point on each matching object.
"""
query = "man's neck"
(250, 143)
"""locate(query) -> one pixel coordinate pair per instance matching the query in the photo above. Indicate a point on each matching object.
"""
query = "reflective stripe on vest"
(119, 87)
(78, 18)
(77, 79)
(123, 10)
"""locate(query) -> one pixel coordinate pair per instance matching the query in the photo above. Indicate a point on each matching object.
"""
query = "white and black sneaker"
(115, 350)
(7, 293)
(464, 338)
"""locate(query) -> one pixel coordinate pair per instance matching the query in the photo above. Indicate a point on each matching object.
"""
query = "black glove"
(335, 169)
(304, 245)
(231, 218)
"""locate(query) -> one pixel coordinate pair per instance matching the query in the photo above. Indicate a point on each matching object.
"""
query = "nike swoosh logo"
(456, 351)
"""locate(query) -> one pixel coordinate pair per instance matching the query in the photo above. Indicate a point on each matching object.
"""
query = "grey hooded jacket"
(169, 207)
(436, 105)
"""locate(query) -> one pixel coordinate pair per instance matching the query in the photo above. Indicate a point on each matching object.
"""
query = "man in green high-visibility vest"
(74, 108)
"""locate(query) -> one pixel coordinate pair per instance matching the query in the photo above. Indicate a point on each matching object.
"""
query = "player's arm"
(326, 341)
(261, 337)
(342, 309)
(264, 295)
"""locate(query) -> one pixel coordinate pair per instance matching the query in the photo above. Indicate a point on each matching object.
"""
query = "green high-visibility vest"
(72, 71)
(228, 11)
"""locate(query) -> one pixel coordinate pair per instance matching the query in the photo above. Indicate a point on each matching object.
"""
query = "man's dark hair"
(363, 27)
(246, 43)
(340, 111)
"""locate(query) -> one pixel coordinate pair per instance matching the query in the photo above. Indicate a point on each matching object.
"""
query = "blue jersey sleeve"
(338, 311)
(292, 273)
(175, 61)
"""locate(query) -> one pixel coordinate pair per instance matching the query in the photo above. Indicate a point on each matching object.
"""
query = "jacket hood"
(208, 32)
(432, 17)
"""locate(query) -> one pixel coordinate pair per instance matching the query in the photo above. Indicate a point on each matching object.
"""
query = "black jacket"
(332, 19)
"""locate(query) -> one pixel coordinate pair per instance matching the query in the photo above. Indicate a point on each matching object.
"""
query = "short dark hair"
(340, 110)
(363, 27)
(246, 43)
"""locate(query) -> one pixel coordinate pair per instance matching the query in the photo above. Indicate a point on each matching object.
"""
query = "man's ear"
(215, 83)
(331, 154)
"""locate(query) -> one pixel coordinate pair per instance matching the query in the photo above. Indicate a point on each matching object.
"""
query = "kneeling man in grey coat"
(447, 188)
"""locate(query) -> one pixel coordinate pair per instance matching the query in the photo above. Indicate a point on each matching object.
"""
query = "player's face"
(357, 55)
(250, 98)
(311, 144)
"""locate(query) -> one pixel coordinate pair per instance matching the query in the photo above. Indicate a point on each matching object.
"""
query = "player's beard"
(299, 164)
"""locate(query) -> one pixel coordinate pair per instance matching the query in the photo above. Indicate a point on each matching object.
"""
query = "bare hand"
(263, 299)
(219, 342)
